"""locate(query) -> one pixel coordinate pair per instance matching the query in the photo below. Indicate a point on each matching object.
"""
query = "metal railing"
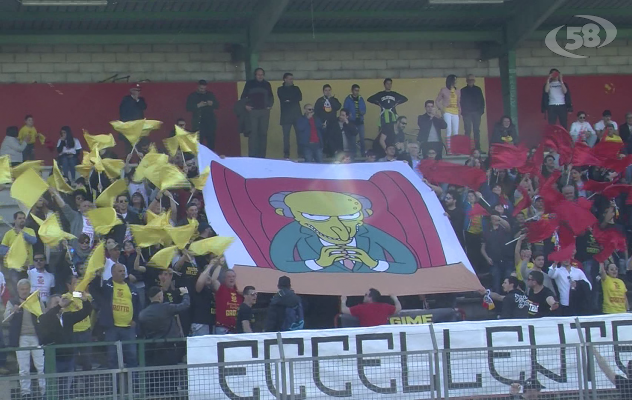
(475, 373)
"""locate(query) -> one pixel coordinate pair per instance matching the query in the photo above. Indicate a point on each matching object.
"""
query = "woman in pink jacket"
(449, 102)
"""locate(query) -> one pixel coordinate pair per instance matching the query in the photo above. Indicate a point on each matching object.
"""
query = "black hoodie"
(284, 298)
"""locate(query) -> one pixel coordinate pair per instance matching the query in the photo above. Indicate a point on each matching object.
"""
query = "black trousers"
(207, 130)
(472, 122)
(558, 112)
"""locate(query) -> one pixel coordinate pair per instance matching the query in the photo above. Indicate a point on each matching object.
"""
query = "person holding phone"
(556, 99)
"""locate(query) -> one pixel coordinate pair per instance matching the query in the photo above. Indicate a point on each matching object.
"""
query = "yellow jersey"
(122, 305)
(76, 305)
(27, 134)
(10, 236)
(453, 107)
(614, 291)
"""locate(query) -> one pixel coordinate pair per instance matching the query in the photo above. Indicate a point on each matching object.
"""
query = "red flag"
(565, 236)
(477, 210)
(538, 231)
(609, 236)
(507, 156)
(576, 217)
(613, 191)
(525, 202)
(582, 155)
(558, 138)
(563, 254)
(447, 172)
(607, 150)
(533, 165)
(550, 194)
(597, 187)
(618, 165)
(461, 144)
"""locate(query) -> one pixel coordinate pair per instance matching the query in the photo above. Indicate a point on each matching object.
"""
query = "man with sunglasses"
(41, 279)
(122, 232)
(582, 131)
(472, 109)
(542, 301)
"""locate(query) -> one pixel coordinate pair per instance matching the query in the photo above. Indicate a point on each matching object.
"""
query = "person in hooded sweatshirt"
(284, 299)
(326, 107)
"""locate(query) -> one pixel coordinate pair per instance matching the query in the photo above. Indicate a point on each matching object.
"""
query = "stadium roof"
(251, 22)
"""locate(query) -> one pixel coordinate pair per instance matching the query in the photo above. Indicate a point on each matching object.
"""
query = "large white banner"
(362, 224)
(482, 368)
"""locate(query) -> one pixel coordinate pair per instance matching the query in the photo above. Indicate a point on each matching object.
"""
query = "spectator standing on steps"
(260, 100)
(430, 125)
(310, 135)
(326, 107)
(132, 108)
(357, 109)
(472, 109)
(556, 99)
(449, 102)
(202, 105)
(290, 98)
(387, 100)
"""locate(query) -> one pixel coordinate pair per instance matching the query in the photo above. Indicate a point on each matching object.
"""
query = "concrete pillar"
(509, 84)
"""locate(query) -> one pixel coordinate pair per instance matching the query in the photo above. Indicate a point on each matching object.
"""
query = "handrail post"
(585, 360)
(283, 388)
(50, 367)
(436, 372)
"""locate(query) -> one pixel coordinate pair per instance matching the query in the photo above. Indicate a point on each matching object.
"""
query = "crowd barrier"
(279, 366)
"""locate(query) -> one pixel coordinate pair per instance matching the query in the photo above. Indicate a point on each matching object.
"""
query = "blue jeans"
(68, 164)
(114, 334)
(500, 270)
(313, 152)
(64, 384)
(361, 138)
(199, 330)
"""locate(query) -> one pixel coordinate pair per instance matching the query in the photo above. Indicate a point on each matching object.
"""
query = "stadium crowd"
(118, 249)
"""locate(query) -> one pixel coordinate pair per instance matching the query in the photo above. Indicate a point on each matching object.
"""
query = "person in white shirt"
(565, 277)
(556, 100)
(41, 279)
(113, 254)
(606, 119)
(582, 131)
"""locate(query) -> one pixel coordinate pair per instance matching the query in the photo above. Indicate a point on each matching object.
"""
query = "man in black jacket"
(340, 135)
(132, 106)
(283, 300)
(326, 107)
(260, 100)
(430, 126)
(202, 105)
(515, 303)
(472, 109)
(290, 97)
(56, 327)
(159, 320)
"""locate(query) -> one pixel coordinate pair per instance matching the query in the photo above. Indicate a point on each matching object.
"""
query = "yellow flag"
(216, 245)
(56, 180)
(50, 231)
(167, 176)
(158, 220)
(172, 145)
(107, 197)
(200, 181)
(5, 169)
(113, 167)
(33, 304)
(95, 159)
(28, 188)
(150, 125)
(16, 257)
(84, 170)
(132, 130)
(26, 165)
(103, 219)
(163, 258)
(152, 148)
(183, 234)
(151, 160)
(181, 132)
(103, 141)
(189, 143)
(145, 236)
(95, 262)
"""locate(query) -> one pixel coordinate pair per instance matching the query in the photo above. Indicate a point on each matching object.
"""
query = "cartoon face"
(335, 217)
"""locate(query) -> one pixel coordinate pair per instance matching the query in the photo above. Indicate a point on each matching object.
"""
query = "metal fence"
(431, 374)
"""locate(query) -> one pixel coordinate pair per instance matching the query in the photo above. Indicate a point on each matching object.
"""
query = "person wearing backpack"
(286, 311)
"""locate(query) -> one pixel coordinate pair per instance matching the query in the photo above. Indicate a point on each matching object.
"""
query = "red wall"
(592, 94)
(92, 106)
